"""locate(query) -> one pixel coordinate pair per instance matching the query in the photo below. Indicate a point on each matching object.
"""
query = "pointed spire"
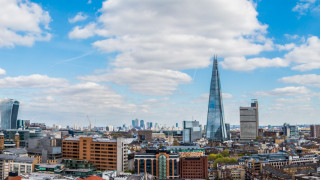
(215, 130)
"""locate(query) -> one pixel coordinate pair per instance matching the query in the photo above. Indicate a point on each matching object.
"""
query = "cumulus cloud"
(243, 64)
(286, 91)
(303, 57)
(312, 80)
(168, 36)
(86, 98)
(82, 33)
(307, 55)
(32, 81)
(149, 82)
(2, 72)
(28, 23)
(79, 17)
(286, 46)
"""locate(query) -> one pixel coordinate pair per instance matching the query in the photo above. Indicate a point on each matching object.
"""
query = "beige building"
(13, 163)
(249, 121)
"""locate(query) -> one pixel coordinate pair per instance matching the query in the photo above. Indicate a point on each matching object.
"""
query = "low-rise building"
(12, 163)
(162, 164)
(194, 167)
(187, 151)
(105, 154)
(49, 168)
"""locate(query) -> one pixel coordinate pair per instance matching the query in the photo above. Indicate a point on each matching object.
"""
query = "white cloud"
(82, 33)
(149, 82)
(79, 17)
(307, 55)
(166, 36)
(73, 103)
(286, 46)
(32, 81)
(303, 6)
(226, 96)
(291, 37)
(28, 23)
(243, 64)
(306, 80)
(2, 72)
(299, 100)
(286, 91)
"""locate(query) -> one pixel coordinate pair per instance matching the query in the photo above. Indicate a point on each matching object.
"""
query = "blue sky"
(118, 60)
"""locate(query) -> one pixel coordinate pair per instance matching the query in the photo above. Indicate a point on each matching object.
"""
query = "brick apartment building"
(162, 164)
(194, 167)
(105, 154)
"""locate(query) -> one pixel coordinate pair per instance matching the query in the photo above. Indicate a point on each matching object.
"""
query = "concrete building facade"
(315, 131)
(191, 131)
(16, 164)
(249, 121)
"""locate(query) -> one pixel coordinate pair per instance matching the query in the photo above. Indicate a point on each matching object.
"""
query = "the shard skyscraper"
(216, 129)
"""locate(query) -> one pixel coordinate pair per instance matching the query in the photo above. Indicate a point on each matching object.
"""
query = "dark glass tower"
(9, 113)
(216, 129)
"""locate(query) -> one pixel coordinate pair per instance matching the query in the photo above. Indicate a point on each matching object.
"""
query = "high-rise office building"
(9, 113)
(133, 124)
(177, 125)
(249, 121)
(216, 129)
(142, 124)
(136, 123)
(150, 125)
(191, 131)
(315, 131)
(228, 131)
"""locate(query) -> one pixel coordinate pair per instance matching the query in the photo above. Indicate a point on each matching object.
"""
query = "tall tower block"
(216, 129)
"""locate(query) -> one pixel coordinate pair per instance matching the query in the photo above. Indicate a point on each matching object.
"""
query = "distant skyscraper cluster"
(215, 129)
(9, 113)
(142, 124)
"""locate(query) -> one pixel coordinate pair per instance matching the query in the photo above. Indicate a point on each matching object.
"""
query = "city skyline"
(116, 60)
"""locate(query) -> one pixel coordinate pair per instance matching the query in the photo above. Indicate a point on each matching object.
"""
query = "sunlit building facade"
(249, 121)
(215, 129)
(9, 113)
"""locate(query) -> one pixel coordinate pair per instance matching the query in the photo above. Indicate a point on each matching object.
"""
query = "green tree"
(224, 160)
(212, 157)
(218, 156)
(225, 153)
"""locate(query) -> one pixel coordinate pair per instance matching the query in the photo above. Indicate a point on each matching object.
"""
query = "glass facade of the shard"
(216, 129)
(9, 113)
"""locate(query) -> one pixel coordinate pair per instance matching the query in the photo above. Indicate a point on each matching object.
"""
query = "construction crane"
(89, 123)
